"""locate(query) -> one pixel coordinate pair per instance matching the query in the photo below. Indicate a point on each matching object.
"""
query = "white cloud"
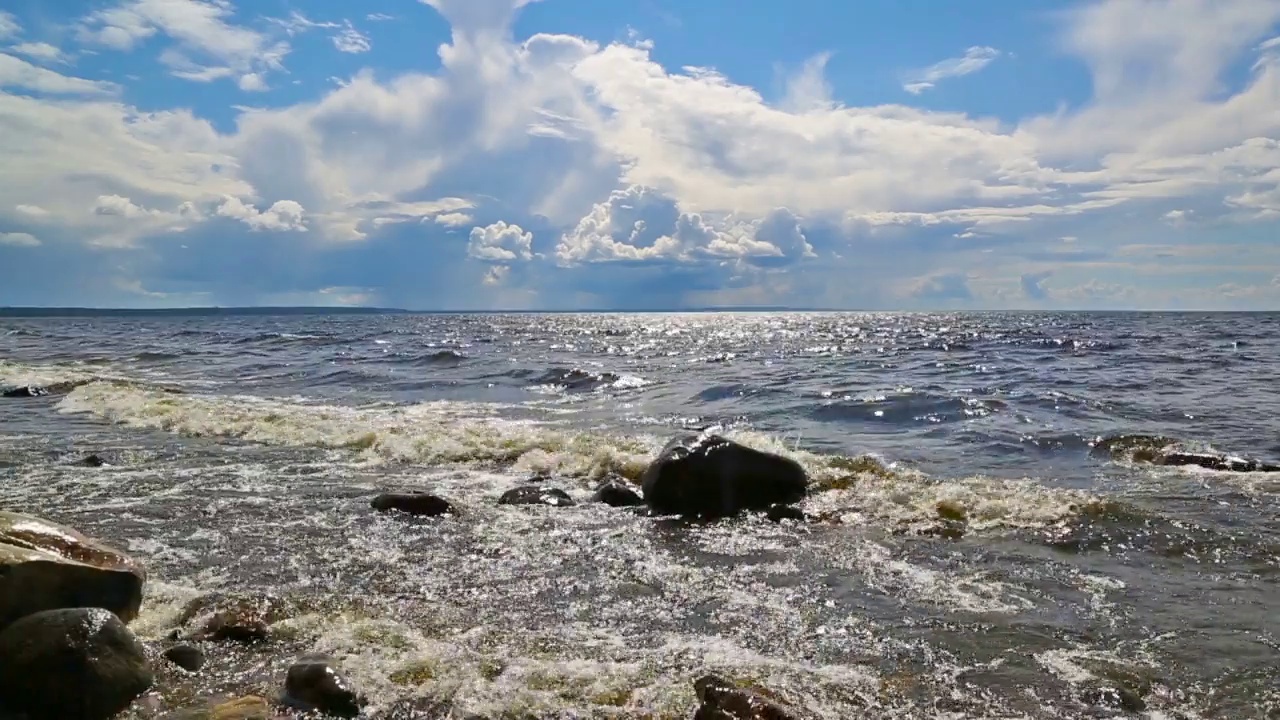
(199, 28)
(33, 211)
(379, 17)
(282, 215)
(454, 219)
(40, 51)
(9, 26)
(19, 239)
(18, 73)
(500, 242)
(974, 59)
(252, 82)
(808, 88)
(351, 40)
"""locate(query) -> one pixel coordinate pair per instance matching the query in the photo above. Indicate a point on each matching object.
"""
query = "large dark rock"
(241, 618)
(616, 492)
(71, 664)
(709, 476)
(422, 504)
(45, 566)
(536, 495)
(1214, 462)
(722, 700)
(313, 685)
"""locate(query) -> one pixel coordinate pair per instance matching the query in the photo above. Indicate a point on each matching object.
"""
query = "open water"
(1079, 582)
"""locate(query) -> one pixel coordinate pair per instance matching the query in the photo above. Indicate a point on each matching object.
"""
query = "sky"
(641, 154)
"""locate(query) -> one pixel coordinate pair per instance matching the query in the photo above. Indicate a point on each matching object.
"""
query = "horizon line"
(73, 311)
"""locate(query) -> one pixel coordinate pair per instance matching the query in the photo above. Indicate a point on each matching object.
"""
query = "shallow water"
(244, 452)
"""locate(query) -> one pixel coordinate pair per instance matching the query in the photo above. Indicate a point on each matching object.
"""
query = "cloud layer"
(558, 171)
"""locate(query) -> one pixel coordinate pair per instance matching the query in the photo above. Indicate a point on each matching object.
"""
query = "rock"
(421, 504)
(531, 495)
(1214, 462)
(312, 685)
(710, 476)
(616, 492)
(778, 513)
(44, 566)
(1122, 698)
(232, 618)
(71, 664)
(93, 461)
(722, 700)
(187, 657)
(26, 391)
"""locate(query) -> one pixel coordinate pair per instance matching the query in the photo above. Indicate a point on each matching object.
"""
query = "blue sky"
(560, 154)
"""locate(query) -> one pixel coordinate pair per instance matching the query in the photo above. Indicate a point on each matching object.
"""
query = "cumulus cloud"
(500, 242)
(1033, 285)
(973, 60)
(944, 287)
(9, 25)
(282, 215)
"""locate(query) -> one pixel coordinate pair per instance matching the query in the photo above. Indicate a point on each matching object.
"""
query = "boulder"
(616, 492)
(187, 657)
(722, 700)
(709, 476)
(422, 504)
(44, 566)
(536, 495)
(778, 513)
(313, 685)
(1214, 462)
(71, 664)
(232, 617)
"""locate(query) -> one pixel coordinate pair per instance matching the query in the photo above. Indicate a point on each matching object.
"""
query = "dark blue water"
(244, 451)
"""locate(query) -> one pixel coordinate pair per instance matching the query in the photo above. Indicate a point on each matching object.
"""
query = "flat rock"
(536, 495)
(71, 664)
(45, 566)
(421, 504)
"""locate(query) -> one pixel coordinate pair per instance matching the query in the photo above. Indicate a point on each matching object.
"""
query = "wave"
(579, 380)
(442, 433)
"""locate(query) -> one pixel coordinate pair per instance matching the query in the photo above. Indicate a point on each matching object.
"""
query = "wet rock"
(616, 492)
(187, 657)
(1214, 462)
(722, 700)
(245, 708)
(71, 664)
(421, 504)
(709, 476)
(313, 685)
(45, 566)
(93, 461)
(1121, 698)
(26, 391)
(778, 513)
(232, 618)
(536, 495)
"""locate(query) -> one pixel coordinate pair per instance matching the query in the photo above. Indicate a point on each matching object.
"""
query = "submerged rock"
(710, 476)
(778, 513)
(536, 495)
(1213, 462)
(313, 685)
(232, 618)
(245, 708)
(26, 391)
(187, 657)
(421, 504)
(71, 664)
(94, 460)
(722, 700)
(616, 492)
(45, 566)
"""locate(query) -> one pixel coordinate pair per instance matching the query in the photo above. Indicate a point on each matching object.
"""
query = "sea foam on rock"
(45, 566)
(71, 664)
(710, 476)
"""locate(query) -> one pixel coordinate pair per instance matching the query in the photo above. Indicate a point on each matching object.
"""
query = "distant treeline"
(188, 312)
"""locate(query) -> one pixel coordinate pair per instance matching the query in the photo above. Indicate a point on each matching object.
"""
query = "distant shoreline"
(89, 312)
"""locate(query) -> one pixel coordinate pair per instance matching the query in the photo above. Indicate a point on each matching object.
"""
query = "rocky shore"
(67, 600)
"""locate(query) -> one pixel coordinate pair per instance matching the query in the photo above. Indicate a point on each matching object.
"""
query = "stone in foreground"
(313, 685)
(71, 664)
(709, 476)
(722, 700)
(616, 492)
(240, 618)
(45, 566)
